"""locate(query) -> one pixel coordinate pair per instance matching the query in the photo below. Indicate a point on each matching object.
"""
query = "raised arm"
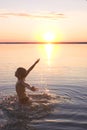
(32, 67)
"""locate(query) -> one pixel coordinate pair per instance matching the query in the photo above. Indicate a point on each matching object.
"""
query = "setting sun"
(49, 37)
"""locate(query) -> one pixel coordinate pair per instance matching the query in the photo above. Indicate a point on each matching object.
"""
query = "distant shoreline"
(43, 42)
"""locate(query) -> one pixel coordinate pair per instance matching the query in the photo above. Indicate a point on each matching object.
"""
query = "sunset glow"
(33, 21)
(49, 37)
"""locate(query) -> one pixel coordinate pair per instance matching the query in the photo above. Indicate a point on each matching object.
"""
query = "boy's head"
(20, 73)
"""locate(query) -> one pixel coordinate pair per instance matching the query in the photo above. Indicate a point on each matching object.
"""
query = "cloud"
(51, 15)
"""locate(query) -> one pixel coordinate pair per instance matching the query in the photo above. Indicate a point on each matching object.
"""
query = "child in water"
(21, 74)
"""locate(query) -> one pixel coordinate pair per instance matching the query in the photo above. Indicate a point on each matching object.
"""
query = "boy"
(21, 74)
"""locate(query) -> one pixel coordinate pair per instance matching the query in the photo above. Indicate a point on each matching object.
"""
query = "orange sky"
(28, 21)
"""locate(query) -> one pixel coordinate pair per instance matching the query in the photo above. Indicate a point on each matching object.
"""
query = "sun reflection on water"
(48, 51)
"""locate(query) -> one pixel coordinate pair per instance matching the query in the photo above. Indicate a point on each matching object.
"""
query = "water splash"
(16, 115)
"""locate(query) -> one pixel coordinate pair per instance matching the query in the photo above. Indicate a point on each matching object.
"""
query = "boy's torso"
(20, 89)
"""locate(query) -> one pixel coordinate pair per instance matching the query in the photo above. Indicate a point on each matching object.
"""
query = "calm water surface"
(61, 76)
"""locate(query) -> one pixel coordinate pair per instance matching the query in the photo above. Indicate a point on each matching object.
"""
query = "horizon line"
(43, 42)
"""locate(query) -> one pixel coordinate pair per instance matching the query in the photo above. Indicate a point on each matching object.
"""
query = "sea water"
(61, 77)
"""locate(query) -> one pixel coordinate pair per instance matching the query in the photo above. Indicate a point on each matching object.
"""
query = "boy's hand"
(34, 88)
(37, 60)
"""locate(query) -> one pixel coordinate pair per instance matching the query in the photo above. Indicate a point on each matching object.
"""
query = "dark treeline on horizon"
(43, 42)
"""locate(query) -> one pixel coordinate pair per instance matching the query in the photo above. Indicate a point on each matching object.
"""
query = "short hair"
(21, 72)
